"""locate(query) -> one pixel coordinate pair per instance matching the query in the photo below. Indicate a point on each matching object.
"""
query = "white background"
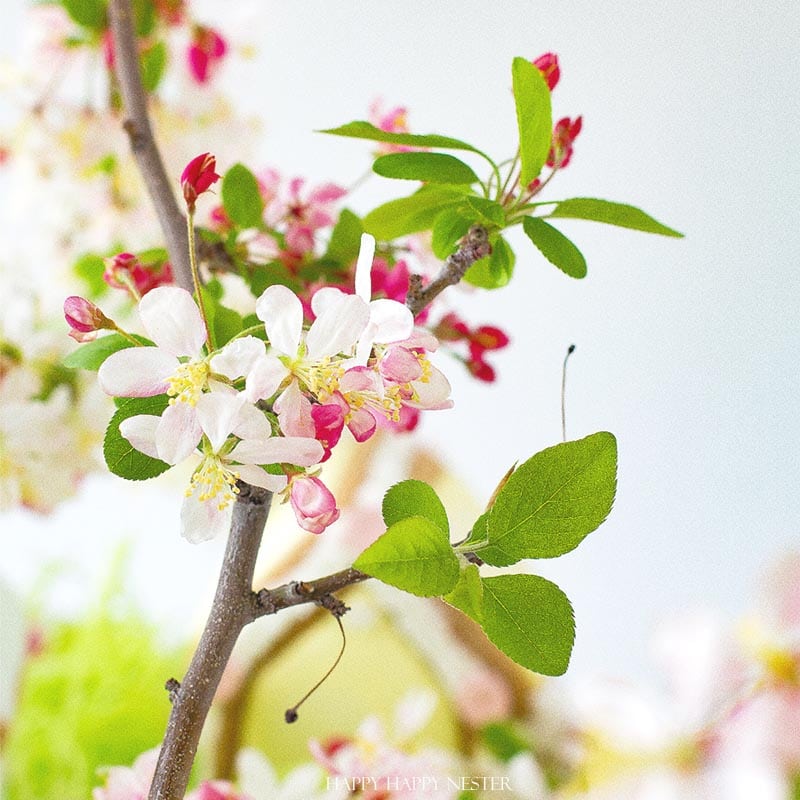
(686, 349)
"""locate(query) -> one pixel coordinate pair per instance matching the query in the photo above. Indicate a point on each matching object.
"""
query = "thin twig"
(474, 246)
(143, 145)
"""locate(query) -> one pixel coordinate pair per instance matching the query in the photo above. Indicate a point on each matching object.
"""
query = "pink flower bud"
(198, 176)
(85, 318)
(313, 504)
(206, 49)
(547, 64)
(125, 270)
(564, 134)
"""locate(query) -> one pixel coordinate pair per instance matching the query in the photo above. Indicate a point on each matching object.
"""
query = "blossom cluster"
(264, 413)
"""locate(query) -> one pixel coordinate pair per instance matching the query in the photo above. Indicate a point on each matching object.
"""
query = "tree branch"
(231, 610)
(148, 159)
(474, 246)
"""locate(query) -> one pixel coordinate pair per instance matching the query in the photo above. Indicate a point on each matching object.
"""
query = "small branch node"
(173, 688)
(302, 588)
(265, 602)
(333, 604)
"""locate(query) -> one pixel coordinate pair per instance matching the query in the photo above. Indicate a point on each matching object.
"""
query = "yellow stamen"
(187, 384)
(212, 480)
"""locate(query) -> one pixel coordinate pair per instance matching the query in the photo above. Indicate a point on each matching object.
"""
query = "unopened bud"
(198, 176)
(85, 318)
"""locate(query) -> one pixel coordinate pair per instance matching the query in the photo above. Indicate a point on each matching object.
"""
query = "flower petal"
(256, 476)
(178, 433)
(264, 378)
(251, 423)
(391, 320)
(337, 328)
(238, 357)
(137, 372)
(324, 298)
(294, 412)
(281, 311)
(172, 320)
(299, 450)
(217, 412)
(202, 520)
(366, 255)
(434, 394)
(140, 431)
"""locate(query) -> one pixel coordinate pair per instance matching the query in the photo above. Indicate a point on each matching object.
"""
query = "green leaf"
(90, 268)
(414, 555)
(224, 322)
(555, 247)
(241, 197)
(495, 271)
(144, 13)
(92, 354)
(413, 498)
(534, 118)
(487, 210)
(450, 226)
(366, 130)
(428, 167)
(153, 63)
(619, 214)
(121, 456)
(345, 239)
(467, 595)
(89, 13)
(553, 501)
(530, 620)
(410, 214)
(503, 741)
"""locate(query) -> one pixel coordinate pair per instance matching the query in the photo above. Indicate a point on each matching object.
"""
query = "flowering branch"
(143, 145)
(474, 247)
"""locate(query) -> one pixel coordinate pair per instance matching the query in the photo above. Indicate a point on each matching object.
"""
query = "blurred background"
(685, 349)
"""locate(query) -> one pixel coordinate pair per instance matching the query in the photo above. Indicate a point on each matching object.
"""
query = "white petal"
(202, 520)
(140, 431)
(178, 433)
(435, 393)
(392, 320)
(281, 311)
(337, 328)
(299, 450)
(294, 412)
(172, 320)
(264, 378)
(137, 372)
(324, 298)
(217, 412)
(238, 357)
(251, 423)
(256, 476)
(366, 256)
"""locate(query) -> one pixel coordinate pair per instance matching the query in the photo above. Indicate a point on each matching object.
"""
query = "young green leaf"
(495, 271)
(530, 620)
(414, 555)
(241, 197)
(411, 214)
(427, 167)
(553, 501)
(224, 322)
(412, 498)
(450, 226)
(534, 118)
(487, 211)
(92, 354)
(366, 130)
(555, 247)
(89, 13)
(153, 62)
(467, 595)
(345, 238)
(619, 214)
(121, 456)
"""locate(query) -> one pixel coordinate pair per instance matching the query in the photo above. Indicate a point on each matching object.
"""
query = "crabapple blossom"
(564, 134)
(313, 504)
(547, 64)
(125, 271)
(197, 177)
(85, 319)
(392, 121)
(206, 50)
(129, 783)
(206, 508)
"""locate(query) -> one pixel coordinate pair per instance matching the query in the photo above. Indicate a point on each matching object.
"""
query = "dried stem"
(143, 145)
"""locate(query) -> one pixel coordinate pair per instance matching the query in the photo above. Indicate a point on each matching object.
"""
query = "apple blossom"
(125, 271)
(206, 50)
(85, 319)
(547, 64)
(197, 177)
(564, 134)
(313, 504)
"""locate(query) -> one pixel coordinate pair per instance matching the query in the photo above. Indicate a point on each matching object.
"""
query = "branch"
(231, 610)
(137, 126)
(474, 246)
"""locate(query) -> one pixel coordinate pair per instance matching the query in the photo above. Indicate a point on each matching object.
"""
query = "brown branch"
(474, 246)
(231, 610)
(143, 145)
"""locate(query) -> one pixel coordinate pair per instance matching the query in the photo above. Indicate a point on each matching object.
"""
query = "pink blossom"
(483, 697)
(564, 134)
(313, 504)
(547, 64)
(129, 783)
(85, 319)
(328, 425)
(392, 121)
(215, 790)
(206, 50)
(197, 177)
(124, 271)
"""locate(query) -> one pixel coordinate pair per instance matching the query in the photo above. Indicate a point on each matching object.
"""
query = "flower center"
(188, 382)
(321, 378)
(212, 480)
